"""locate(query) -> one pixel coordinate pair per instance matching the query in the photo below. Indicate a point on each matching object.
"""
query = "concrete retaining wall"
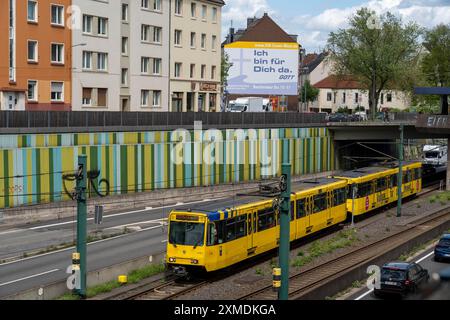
(359, 272)
(57, 289)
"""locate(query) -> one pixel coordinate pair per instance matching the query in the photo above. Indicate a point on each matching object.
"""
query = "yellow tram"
(205, 239)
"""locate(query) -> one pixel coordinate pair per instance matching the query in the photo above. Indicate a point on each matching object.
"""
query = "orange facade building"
(35, 55)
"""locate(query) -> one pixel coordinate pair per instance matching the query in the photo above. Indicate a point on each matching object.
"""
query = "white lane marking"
(29, 277)
(11, 231)
(418, 261)
(425, 257)
(364, 294)
(73, 247)
(121, 214)
(160, 221)
(164, 241)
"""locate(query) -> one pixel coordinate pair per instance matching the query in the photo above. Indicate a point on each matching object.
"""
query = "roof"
(312, 61)
(338, 82)
(265, 30)
(397, 265)
(212, 209)
(357, 173)
(219, 2)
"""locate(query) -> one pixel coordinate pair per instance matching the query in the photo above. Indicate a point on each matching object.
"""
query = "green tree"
(436, 61)
(379, 51)
(225, 68)
(309, 91)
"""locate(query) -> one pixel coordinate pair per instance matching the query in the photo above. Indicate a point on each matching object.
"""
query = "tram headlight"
(194, 261)
(172, 259)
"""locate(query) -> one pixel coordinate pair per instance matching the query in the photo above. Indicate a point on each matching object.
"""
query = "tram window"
(230, 229)
(266, 219)
(381, 184)
(212, 235)
(292, 210)
(301, 210)
(241, 225)
(393, 181)
(364, 189)
(339, 196)
(407, 176)
(417, 173)
(320, 202)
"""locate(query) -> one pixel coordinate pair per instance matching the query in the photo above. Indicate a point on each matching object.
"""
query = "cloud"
(239, 10)
(313, 30)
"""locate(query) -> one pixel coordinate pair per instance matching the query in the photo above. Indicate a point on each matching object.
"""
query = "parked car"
(337, 117)
(442, 249)
(401, 278)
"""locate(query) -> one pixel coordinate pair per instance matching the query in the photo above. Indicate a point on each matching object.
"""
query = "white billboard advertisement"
(269, 68)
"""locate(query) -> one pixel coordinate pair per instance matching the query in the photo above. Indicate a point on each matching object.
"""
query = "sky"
(313, 20)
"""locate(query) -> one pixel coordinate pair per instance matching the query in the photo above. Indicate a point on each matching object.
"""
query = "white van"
(250, 104)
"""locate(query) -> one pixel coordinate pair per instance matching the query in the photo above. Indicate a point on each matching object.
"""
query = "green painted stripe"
(6, 174)
(38, 177)
(152, 166)
(123, 169)
(51, 176)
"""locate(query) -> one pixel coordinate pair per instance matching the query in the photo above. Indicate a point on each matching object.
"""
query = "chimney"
(250, 21)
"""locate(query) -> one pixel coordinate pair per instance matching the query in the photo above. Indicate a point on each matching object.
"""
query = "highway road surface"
(148, 239)
(434, 290)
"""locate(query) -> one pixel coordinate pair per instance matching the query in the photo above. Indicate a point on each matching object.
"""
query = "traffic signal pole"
(400, 173)
(81, 222)
(285, 208)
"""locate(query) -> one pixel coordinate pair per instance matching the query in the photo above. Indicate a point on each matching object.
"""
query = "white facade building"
(195, 57)
(120, 56)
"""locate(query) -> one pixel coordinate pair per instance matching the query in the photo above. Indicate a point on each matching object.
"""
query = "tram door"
(251, 225)
(329, 215)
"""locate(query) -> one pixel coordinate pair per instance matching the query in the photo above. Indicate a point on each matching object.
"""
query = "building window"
(145, 61)
(356, 97)
(157, 66)
(213, 43)
(213, 72)
(177, 71)
(57, 15)
(177, 37)
(214, 14)
(212, 102)
(193, 10)
(203, 44)
(144, 98)
(87, 60)
(145, 30)
(87, 23)
(204, 10)
(56, 93)
(32, 51)
(156, 98)
(328, 96)
(193, 40)
(343, 97)
(32, 11)
(32, 90)
(144, 4)
(124, 46)
(102, 97)
(124, 77)
(157, 34)
(178, 7)
(87, 97)
(102, 61)
(389, 97)
(157, 5)
(192, 71)
(102, 26)
(57, 53)
(124, 12)
(203, 71)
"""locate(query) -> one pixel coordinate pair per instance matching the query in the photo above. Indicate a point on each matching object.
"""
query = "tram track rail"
(318, 276)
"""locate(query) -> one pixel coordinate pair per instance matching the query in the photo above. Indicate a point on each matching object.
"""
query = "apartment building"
(120, 56)
(35, 60)
(195, 57)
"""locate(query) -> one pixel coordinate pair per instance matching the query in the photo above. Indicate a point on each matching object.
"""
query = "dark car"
(442, 249)
(401, 278)
(337, 117)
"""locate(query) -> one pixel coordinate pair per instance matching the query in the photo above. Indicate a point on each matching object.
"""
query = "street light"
(79, 45)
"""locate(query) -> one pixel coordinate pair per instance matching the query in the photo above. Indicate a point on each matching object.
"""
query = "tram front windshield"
(186, 233)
